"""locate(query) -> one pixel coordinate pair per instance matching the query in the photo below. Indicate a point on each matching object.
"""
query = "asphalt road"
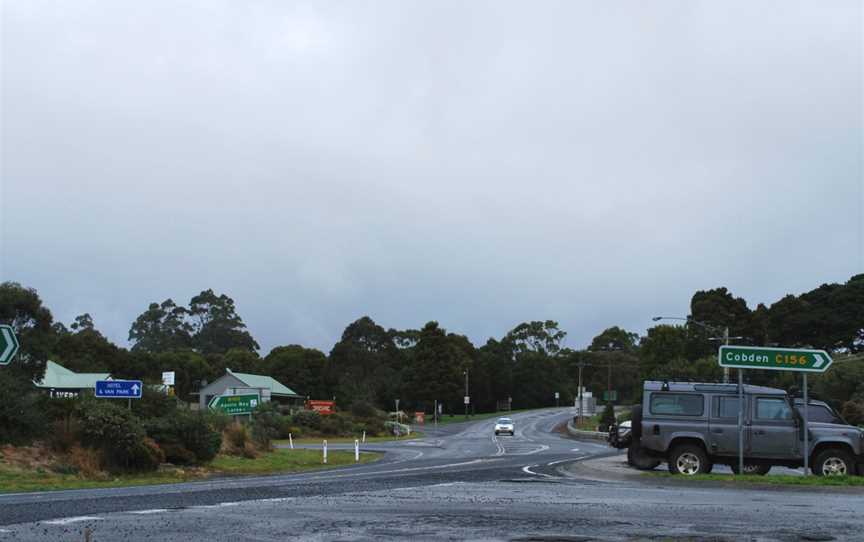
(458, 483)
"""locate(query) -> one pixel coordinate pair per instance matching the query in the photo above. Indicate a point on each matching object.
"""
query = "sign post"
(773, 359)
(119, 389)
(8, 344)
(235, 405)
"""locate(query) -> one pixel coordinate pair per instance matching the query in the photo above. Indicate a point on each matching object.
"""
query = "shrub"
(337, 425)
(119, 436)
(154, 404)
(853, 412)
(608, 417)
(363, 409)
(217, 419)
(22, 419)
(237, 440)
(395, 428)
(186, 437)
(307, 418)
(266, 424)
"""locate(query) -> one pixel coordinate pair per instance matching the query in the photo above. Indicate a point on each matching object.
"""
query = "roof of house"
(260, 381)
(59, 377)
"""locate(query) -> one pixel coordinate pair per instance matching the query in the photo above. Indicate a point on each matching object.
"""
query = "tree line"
(524, 368)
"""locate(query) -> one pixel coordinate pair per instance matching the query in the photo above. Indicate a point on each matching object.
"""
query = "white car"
(504, 425)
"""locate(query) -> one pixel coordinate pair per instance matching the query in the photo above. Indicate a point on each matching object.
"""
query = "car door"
(723, 425)
(774, 432)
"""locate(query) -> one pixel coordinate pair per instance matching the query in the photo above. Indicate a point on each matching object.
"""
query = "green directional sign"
(235, 404)
(775, 359)
(8, 344)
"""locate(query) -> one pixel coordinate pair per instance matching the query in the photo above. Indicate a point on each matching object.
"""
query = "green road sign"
(775, 359)
(610, 395)
(235, 404)
(8, 344)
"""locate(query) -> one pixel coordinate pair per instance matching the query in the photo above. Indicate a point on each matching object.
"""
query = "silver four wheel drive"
(694, 426)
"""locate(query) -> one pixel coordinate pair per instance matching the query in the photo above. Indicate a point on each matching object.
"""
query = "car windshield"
(505, 421)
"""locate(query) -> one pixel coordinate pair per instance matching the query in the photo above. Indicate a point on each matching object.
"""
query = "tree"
(438, 366)
(216, 325)
(22, 308)
(662, 345)
(363, 365)
(161, 328)
(189, 367)
(542, 337)
(614, 339)
(87, 350)
(301, 369)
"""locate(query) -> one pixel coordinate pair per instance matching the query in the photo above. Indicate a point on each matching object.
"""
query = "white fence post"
(290, 441)
(364, 437)
(356, 451)
(325, 452)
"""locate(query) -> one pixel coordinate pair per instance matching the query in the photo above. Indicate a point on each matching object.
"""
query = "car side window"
(772, 408)
(727, 407)
(677, 404)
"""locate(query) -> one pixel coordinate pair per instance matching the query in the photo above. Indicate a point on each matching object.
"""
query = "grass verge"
(780, 479)
(15, 480)
(347, 440)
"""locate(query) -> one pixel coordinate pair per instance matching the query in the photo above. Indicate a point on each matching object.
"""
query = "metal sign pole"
(740, 421)
(806, 429)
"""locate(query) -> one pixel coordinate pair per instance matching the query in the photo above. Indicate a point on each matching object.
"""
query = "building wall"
(218, 387)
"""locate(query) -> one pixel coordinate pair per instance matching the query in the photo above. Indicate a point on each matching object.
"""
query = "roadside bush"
(363, 409)
(607, 418)
(119, 436)
(307, 418)
(23, 413)
(154, 404)
(237, 440)
(336, 425)
(853, 412)
(266, 424)
(186, 437)
(218, 420)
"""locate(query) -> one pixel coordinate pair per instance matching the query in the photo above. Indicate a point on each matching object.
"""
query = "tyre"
(496, 433)
(636, 422)
(638, 458)
(689, 460)
(833, 462)
(757, 469)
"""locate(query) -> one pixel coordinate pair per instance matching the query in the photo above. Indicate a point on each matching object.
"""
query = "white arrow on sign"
(134, 389)
(819, 361)
(11, 343)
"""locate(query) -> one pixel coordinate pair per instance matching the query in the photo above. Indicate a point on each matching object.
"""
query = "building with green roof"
(232, 383)
(61, 382)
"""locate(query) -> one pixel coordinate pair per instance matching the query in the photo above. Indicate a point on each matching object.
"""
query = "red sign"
(322, 407)
(419, 417)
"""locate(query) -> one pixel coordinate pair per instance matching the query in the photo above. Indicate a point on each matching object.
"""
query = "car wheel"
(756, 469)
(833, 462)
(496, 433)
(689, 460)
(638, 458)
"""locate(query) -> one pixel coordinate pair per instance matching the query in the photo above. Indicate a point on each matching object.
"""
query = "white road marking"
(569, 459)
(575, 450)
(527, 469)
(152, 511)
(67, 521)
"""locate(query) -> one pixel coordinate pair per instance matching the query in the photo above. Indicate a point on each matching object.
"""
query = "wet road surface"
(458, 483)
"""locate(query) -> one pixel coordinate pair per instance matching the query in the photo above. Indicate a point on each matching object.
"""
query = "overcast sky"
(477, 163)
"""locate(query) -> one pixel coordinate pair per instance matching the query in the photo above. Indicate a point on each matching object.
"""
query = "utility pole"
(726, 342)
(466, 393)
(581, 364)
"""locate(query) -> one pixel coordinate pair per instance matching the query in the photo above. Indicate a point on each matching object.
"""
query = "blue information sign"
(119, 389)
